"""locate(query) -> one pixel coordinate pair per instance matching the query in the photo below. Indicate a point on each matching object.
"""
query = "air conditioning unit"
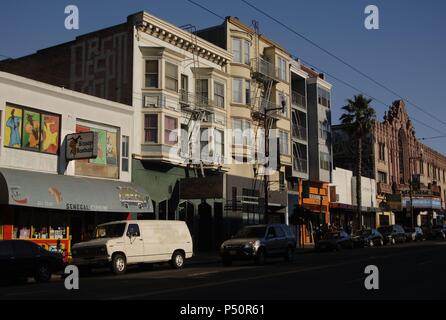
(151, 101)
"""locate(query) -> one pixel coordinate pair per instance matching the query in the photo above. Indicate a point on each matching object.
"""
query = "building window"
(151, 74)
(382, 177)
(324, 130)
(219, 94)
(246, 54)
(241, 132)
(171, 76)
(248, 92)
(283, 142)
(125, 153)
(151, 128)
(202, 91)
(237, 89)
(421, 167)
(382, 149)
(204, 144)
(219, 142)
(444, 175)
(323, 97)
(184, 140)
(283, 102)
(170, 130)
(237, 50)
(324, 160)
(282, 69)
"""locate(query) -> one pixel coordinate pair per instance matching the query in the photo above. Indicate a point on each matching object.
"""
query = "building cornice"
(180, 38)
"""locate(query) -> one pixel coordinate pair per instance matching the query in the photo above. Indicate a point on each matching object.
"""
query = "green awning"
(53, 191)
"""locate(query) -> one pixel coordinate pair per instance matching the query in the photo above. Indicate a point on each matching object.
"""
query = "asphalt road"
(407, 271)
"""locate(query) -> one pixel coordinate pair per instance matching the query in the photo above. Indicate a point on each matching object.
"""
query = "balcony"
(384, 188)
(299, 132)
(263, 70)
(300, 165)
(298, 100)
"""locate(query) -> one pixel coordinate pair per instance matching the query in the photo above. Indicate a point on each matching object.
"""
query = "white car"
(121, 243)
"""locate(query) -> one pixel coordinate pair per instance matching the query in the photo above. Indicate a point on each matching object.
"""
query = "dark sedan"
(334, 241)
(368, 238)
(19, 259)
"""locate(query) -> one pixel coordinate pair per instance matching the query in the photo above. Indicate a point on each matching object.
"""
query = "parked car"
(414, 234)
(437, 232)
(122, 243)
(334, 241)
(393, 234)
(368, 238)
(20, 258)
(259, 242)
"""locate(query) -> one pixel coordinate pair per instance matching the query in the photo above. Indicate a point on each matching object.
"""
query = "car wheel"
(260, 257)
(227, 262)
(371, 243)
(119, 264)
(177, 261)
(43, 273)
(381, 242)
(289, 255)
(392, 241)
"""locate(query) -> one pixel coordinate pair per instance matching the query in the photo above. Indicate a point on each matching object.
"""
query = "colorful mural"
(31, 130)
(50, 134)
(13, 127)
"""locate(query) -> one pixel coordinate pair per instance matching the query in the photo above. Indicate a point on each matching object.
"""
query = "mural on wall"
(13, 127)
(106, 163)
(50, 134)
(31, 129)
(102, 147)
(112, 152)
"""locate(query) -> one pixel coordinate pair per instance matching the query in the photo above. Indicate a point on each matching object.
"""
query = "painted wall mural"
(31, 129)
(106, 164)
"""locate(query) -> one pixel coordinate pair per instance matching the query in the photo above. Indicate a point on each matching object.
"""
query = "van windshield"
(114, 230)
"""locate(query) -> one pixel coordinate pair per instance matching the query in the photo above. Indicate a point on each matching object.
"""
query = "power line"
(206, 9)
(330, 75)
(430, 138)
(340, 60)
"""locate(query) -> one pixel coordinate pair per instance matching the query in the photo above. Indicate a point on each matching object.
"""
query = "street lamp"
(420, 157)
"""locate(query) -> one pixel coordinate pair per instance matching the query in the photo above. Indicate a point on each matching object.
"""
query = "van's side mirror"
(132, 235)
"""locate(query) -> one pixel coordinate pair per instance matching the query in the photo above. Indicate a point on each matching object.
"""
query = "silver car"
(259, 242)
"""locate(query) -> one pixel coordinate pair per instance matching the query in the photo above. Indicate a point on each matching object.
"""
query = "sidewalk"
(204, 258)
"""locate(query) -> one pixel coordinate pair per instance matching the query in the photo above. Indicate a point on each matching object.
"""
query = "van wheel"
(177, 261)
(43, 273)
(119, 264)
(381, 242)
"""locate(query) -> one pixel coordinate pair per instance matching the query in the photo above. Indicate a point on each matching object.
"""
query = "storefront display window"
(34, 223)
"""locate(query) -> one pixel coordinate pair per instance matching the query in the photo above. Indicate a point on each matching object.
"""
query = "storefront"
(56, 211)
(426, 210)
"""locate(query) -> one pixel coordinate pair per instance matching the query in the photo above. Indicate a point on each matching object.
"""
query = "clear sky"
(406, 54)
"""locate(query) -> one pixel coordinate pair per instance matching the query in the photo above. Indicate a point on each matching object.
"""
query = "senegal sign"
(82, 146)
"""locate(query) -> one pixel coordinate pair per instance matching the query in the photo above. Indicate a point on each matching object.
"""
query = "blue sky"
(407, 54)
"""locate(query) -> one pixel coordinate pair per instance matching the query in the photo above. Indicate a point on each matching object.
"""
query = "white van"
(121, 243)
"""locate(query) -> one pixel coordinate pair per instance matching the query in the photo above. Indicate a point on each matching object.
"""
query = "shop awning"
(52, 191)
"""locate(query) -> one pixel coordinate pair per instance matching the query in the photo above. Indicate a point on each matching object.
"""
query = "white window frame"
(146, 73)
(237, 55)
(241, 87)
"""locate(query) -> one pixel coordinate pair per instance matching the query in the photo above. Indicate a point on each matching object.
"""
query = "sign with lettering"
(82, 146)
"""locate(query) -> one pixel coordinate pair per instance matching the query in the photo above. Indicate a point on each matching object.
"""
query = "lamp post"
(420, 157)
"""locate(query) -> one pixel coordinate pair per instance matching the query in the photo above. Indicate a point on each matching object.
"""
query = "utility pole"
(265, 176)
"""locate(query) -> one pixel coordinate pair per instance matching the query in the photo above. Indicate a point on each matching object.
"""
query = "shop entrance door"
(76, 228)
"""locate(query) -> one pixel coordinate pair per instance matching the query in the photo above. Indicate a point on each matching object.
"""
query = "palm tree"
(357, 119)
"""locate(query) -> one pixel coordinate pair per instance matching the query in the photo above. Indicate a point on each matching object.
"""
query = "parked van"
(121, 243)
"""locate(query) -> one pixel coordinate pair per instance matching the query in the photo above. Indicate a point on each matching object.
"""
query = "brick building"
(394, 157)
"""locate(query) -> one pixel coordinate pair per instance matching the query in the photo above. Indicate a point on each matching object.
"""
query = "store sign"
(82, 146)
(424, 203)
